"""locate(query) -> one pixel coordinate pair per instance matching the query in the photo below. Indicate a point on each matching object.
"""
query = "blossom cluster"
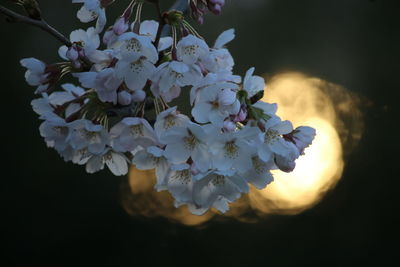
(120, 114)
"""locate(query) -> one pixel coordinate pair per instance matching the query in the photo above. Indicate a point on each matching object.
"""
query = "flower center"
(107, 157)
(259, 166)
(90, 135)
(214, 104)
(231, 149)
(93, 14)
(133, 45)
(60, 129)
(218, 180)
(169, 121)
(137, 130)
(83, 154)
(182, 177)
(270, 136)
(175, 74)
(190, 49)
(136, 66)
(190, 141)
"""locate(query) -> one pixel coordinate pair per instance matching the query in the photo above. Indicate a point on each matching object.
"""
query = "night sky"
(54, 214)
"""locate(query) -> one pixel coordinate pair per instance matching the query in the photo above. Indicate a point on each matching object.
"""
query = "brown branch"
(15, 17)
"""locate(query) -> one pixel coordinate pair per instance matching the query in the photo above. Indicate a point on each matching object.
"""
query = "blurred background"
(54, 214)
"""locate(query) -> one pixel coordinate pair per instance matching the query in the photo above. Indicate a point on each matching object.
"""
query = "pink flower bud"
(241, 116)
(229, 126)
(108, 36)
(120, 26)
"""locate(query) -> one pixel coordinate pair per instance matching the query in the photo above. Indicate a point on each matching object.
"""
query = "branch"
(15, 17)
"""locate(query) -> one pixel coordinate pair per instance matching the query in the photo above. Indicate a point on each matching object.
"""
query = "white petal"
(224, 38)
(85, 15)
(177, 153)
(117, 165)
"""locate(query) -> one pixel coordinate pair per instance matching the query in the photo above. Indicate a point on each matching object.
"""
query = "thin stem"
(15, 17)
(139, 13)
(161, 25)
(179, 5)
(191, 29)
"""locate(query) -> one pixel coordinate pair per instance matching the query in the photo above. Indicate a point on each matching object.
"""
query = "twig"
(15, 17)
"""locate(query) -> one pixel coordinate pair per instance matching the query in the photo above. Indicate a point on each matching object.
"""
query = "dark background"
(54, 214)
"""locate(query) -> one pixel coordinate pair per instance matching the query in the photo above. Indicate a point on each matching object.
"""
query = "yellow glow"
(301, 100)
(140, 198)
(304, 101)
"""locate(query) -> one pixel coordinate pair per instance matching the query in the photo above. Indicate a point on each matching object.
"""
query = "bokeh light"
(329, 108)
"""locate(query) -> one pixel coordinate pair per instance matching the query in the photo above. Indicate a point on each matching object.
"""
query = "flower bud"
(124, 98)
(138, 96)
(229, 126)
(72, 53)
(120, 26)
(108, 36)
(241, 116)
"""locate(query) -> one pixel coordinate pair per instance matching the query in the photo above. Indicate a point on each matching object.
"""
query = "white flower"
(55, 131)
(89, 40)
(232, 150)
(224, 38)
(153, 158)
(149, 28)
(80, 156)
(135, 73)
(219, 59)
(35, 74)
(302, 137)
(105, 83)
(217, 189)
(267, 108)
(211, 79)
(185, 142)
(116, 162)
(180, 183)
(168, 119)
(132, 46)
(170, 75)
(190, 48)
(259, 174)
(101, 58)
(253, 84)
(271, 141)
(214, 105)
(286, 161)
(91, 10)
(86, 134)
(130, 133)
(70, 93)
(42, 105)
